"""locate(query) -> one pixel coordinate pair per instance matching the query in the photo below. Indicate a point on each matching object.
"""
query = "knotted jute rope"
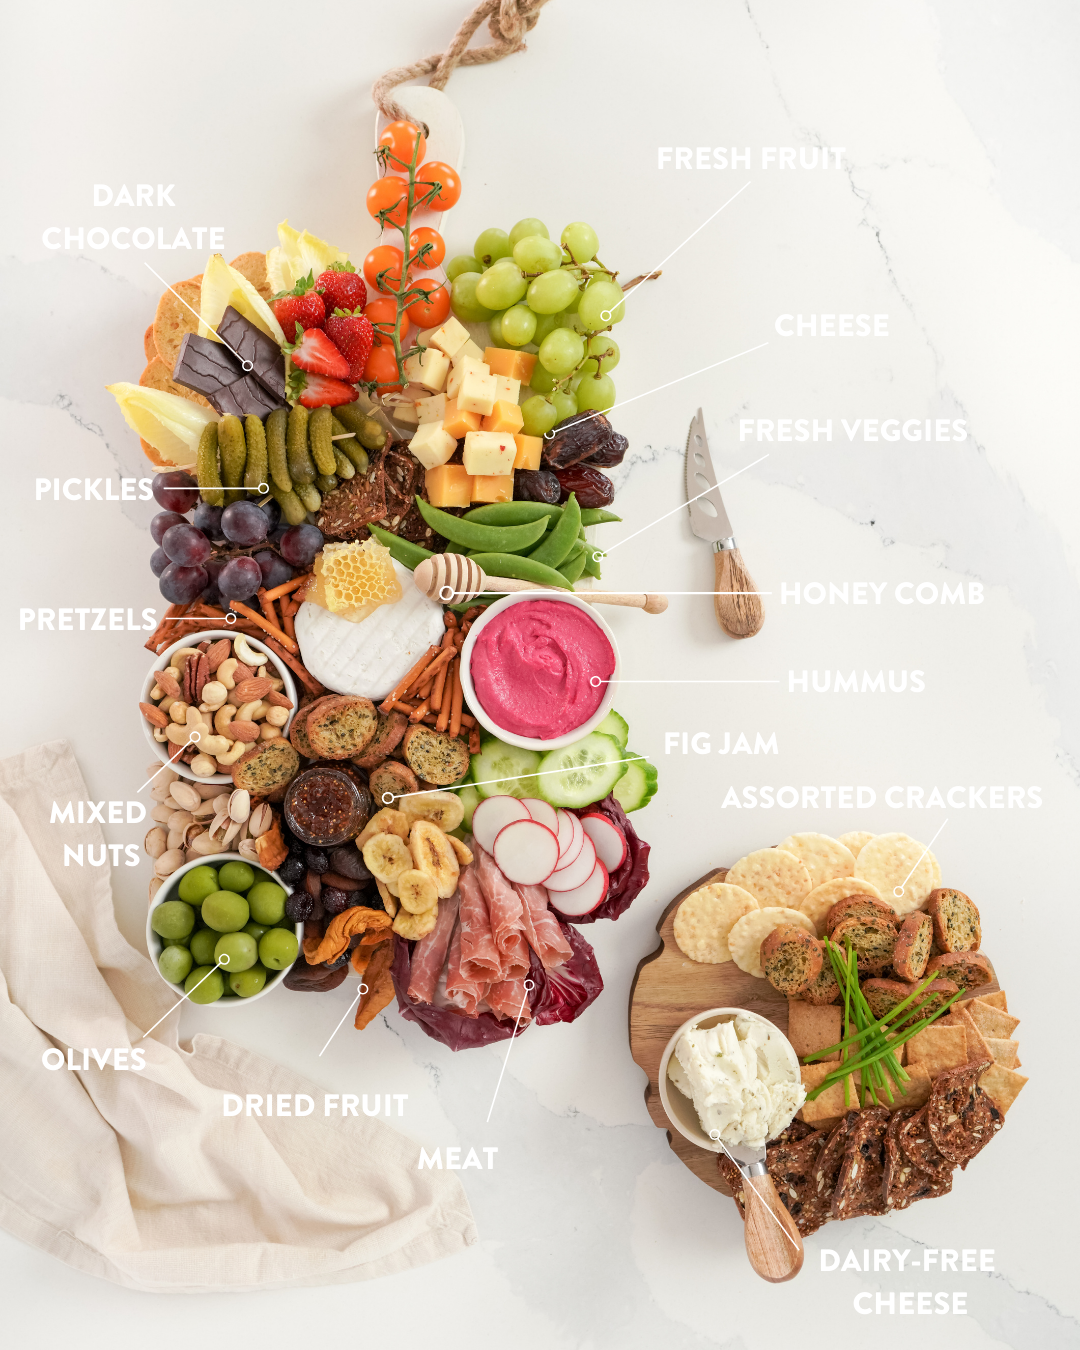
(508, 22)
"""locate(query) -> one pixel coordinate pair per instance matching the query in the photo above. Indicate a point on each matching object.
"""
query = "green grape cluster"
(555, 299)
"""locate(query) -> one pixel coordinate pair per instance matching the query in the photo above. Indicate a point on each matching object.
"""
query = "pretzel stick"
(474, 740)
(398, 706)
(310, 683)
(287, 587)
(273, 630)
(268, 609)
(417, 715)
(445, 654)
(455, 713)
(403, 684)
(288, 616)
(443, 720)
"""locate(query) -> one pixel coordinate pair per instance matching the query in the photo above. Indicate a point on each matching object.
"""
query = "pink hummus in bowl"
(539, 670)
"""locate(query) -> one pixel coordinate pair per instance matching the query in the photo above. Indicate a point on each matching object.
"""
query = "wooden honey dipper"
(452, 579)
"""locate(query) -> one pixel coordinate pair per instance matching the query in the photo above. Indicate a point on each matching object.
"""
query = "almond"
(252, 688)
(219, 651)
(243, 731)
(153, 715)
(242, 672)
(166, 682)
(277, 700)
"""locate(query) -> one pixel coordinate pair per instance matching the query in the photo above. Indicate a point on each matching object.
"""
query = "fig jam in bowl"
(324, 807)
(540, 669)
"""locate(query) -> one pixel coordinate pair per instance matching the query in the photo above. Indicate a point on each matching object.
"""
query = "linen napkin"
(137, 1176)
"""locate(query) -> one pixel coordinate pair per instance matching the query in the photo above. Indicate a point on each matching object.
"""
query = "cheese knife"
(738, 605)
(773, 1242)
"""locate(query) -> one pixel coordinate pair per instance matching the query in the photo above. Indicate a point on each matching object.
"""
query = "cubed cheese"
(493, 488)
(448, 485)
(451, 337)
(470, 349)
(528, 451)
(489, 452)
(404, 412)
(429, 369)
(432, 445)
(431, 409)
(507, 390)
(459, 423)
(477, 393)
(460, 370)
(518, 365)
(423, 338)
(503, 417)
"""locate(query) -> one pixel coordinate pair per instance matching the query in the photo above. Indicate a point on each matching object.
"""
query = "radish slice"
(585, 898)
(574, 874)
(542, 811)
(608, 840)
(492, 814)
(571, 837)
(526, 852)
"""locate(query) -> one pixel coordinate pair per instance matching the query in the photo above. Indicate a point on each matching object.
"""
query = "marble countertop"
(949, 205)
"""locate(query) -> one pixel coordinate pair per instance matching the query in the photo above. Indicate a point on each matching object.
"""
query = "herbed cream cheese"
(740, 1078)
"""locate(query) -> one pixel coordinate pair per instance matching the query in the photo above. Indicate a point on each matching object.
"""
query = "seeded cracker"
(904, 1183)
(821, 899)
(704, 920)
(860, 1188)
(749, 932)
(918, 1147)
(773, 875)
(893, 860)
(825, 858)
(961, 1117)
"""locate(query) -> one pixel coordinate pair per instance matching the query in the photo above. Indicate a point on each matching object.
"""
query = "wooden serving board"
(669, 989)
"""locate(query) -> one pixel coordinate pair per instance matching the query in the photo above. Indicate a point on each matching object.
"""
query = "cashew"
(168, 862)
(247, 654)
(267, 733)
(166, 703)
(275, 684)
(178, 657)
(222, 718)
(214, 694)
(213, 745)
(260, 820)
(202, 766)
(155, 842)
(232, 754)
(277, 717)
(178, 711)
(177, 734)
(225, 673)
(159, 735)
(156, 693)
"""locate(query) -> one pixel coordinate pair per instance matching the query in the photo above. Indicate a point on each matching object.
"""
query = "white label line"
(680, 508)
(247, 366)
(191, 740)
(388, 797)
(898, 891)
(529, 986)
(221, 961)
(359, 994)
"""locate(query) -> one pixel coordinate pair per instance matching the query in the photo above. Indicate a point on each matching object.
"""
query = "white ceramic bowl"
(531, 742)
(168, 891)
(281, 672)
(679, 1109)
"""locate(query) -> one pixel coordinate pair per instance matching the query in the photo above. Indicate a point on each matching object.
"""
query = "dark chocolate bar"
(210, 369)
(252, 344)
(246, 396)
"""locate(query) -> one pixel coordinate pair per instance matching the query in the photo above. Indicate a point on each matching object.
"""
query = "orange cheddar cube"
(450, 485)
(503, 417)
(459, 423)
(495, 487)
(528, 451)
(518, 365)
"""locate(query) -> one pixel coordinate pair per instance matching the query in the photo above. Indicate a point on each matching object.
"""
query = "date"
(588, 484)
(584, 439)
(536, 485)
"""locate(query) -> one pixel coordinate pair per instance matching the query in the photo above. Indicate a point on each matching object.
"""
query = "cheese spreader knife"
(773, 1243)
(739, 611)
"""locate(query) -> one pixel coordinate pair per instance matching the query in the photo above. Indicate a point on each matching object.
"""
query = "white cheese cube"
(477, 393)
(432, 445)
(506, 389)
(404, 412)
(451, 337)
(429, 369)
(423, 339)
(460, 370)
(469, 349)
(431, 409)
(489, 452)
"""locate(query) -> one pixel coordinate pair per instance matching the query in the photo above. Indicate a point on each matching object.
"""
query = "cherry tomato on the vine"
(389, 194)
(435, 254)
(400, 139)
(382, 314)
(435, 310)
(384, 258)
(449, 183)
(382, 368)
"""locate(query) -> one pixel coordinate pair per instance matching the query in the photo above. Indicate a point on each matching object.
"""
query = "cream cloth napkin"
(138, 1176)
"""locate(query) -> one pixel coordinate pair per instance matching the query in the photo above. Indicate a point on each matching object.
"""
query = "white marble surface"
(955, 212)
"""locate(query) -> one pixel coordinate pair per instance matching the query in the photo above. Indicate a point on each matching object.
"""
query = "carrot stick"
(455, 705)
(270, 628)
(403, 684)
(287, 587)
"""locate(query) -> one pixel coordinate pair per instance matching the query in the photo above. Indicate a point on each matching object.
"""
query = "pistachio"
(240, 805)
(206, 844)
(167, 862)
(260, 820)
(185, 795)
(155, 885)
(155, 843)
(246, 848)
(162, 813)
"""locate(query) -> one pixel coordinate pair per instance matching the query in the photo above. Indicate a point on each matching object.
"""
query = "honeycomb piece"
(353, 580)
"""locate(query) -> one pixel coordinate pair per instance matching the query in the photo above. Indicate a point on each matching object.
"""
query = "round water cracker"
(252, 267)
(174, 320)
(704, 920)
(773, 876)
(822, 898)
(891, 861)
(937, 871)
(823, 857)
(856, 840)
(157, 376)
(749, 932)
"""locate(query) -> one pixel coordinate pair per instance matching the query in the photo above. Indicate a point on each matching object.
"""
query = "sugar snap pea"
(320, 431)
(275, 449)
(592, 561)
(292, 508)
(343, 466)
(513, 513)
(233, 450)
(573, 567)
(401, 550)
(521, 569)
(301, 465)
(472, 534)
(559, 543)
(206, 466)
(596, 515)
(256, 471)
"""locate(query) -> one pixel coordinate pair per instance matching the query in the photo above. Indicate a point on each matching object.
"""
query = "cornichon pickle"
(292, 508)
(301, 465)
(309, 495)
(327, 482)
(320, 431)
(355, 453)
(206, 466)
(256, 471)
(343, 466)
(275, 449)
(233, 450)
(368, 432)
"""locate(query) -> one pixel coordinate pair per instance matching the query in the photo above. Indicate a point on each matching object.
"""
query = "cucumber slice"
(615, 726)
(584, 771)
(470, 799)
(637, 787)
(505, 770)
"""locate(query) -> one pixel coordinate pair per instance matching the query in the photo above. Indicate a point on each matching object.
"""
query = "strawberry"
(341, 287)
(302, 305)
(314, 352)
(317, 391)
(353, 335)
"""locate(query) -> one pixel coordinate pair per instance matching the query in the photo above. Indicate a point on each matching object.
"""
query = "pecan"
(189, 680)
(202, 674)
(153, 715)
(218, 652)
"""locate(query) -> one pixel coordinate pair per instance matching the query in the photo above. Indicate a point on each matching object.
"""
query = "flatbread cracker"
(821, 899)
(895, 861)
(749, 932)
(991, 1021)
(174, 320)
(157, 376)
(812, 1028)
(1002, 1085)
(823, 857)
(911, 1092)
(856, 840)
(704, 920)
(996, 1000)
(773, 876)
(1004, 1052)
(830, 1103)
(938, 1048)
(252, 267)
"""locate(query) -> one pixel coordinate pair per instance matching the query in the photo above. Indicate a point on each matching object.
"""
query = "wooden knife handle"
(740, 615)
(773, 1243)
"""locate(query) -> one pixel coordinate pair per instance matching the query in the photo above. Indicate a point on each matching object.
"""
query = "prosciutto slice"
(507, 999)
(542, 929)
(481, 961)
(429, 954)
(462, 990)
(506, 915)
